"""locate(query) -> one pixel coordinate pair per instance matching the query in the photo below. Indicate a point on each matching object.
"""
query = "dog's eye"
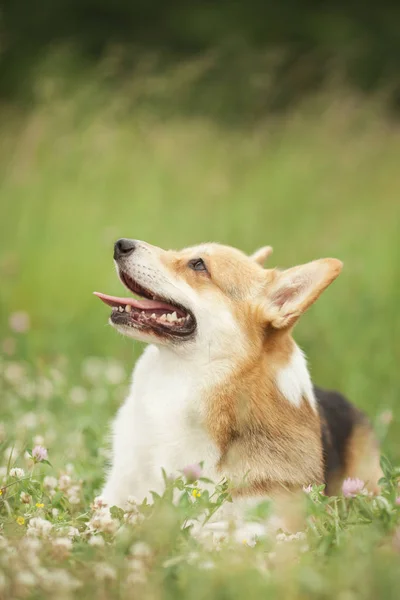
(197, 264)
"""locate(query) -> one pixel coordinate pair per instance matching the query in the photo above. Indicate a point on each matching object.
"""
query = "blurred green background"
(177, 123)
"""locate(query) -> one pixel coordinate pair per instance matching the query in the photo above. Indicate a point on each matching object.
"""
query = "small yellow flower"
(20, 520)
(196, 493)
(1, 492)
(39, 505)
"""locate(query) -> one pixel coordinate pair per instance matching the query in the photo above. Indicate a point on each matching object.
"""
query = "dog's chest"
(167, 399)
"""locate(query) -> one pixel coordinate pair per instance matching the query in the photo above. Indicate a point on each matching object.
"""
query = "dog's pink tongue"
(143, 304)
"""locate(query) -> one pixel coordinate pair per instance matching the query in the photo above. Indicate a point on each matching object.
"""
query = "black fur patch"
(338, 418)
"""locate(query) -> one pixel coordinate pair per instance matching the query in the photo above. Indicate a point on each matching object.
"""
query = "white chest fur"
(160, 425)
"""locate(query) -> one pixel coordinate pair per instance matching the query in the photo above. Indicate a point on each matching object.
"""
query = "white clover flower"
(19, 321)
(96, 541)
(104, 572)
(140, 550)
(55, 512)
(58, 579)
(93, 368)
(3, 433)
(9, 346)
(73, 532)
(39, 527)
(98, 502)
(31, 545)
(103, 521)
(17, 472)
(25, 498)
(61, 546)
(133, 518)
(28, 421)
(64, 482)
(78, 395)
(38, 440)
(3, 582)
(11, 452)
(39, 453)
(114, 373)
(49, 482)
(14, 373)
(25, 579)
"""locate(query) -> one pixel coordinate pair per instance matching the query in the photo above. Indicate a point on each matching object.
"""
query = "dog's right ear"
(291, 292)
(261, 255)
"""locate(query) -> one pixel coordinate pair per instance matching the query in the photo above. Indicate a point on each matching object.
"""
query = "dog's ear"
(291, 292)
(261, 255)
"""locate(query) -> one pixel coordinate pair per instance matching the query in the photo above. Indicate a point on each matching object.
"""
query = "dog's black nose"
(123, 248)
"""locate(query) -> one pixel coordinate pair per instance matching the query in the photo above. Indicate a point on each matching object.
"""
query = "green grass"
(79, 172)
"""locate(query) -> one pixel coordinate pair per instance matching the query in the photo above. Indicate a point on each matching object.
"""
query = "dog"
(222, 380)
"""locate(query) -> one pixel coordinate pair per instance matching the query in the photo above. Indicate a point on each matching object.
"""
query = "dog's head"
(211, 297)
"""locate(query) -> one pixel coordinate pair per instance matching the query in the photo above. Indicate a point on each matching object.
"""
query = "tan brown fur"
(266, 444)
(362, 457)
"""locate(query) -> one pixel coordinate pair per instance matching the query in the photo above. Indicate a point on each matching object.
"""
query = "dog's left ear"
(261, 255)
(291, 292)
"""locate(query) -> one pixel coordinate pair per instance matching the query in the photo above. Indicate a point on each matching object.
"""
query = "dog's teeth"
(120, 309)
(169, 318)
(128, 308)
(187, 318)
(163, 318)
(115, 308)
(154, 316)
(174, 316)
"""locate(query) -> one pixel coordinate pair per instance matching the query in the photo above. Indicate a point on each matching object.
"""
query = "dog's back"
(350, 447)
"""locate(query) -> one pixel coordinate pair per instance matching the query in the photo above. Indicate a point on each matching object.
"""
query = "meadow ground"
(79, 172)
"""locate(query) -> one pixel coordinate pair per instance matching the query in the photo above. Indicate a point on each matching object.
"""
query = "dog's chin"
(150, 332)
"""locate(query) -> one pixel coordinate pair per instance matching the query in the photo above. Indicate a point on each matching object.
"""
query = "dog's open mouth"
(151, 312)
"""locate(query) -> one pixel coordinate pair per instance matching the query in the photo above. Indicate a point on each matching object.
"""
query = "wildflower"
(1, 492)
(25, 498)
(103, 521)
(140, 550)
(192, 472)
(38, 440)
(307, 489)
(61, 547)
(3, 434)
(386, 417)
(49, 482)
(73, 532)
(93, 368)
(39, 453)
(20, 520)
(114, 373)
(98, 502)
(17, 472)
(96, 541)
(78, 395)
(39, 505)
(9, 346)
(64, 482)
(196, 493)
(25, 579)
(397, 501)
(352, 487)
(19, 321)
(39, 527)
(105, 572)
(58, 579)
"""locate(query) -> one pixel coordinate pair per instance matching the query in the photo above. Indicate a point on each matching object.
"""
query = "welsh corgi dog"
(222, 380)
